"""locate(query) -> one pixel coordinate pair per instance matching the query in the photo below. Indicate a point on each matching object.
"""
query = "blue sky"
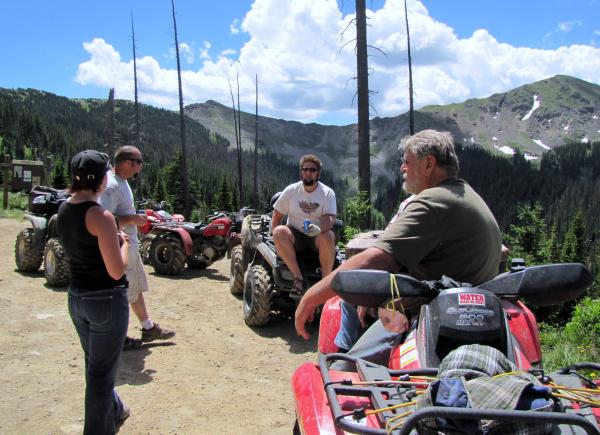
(299, 50)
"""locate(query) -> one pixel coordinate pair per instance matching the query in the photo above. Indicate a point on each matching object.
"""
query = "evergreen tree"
(526, 238)
(550, 251)
(57, 176)
(110, 133)
(224, 197)
(172, 183)
(574, 249)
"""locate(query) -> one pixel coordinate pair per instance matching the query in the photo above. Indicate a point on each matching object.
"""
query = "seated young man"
(307, 200)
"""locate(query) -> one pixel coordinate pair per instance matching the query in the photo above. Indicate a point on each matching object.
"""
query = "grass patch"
(559, 350)
(17, 205)
(11, 213)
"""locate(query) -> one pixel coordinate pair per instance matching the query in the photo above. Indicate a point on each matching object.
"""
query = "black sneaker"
(132, 344)
(156, 333)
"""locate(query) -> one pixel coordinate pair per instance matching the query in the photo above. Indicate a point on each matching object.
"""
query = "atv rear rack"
(385, 396)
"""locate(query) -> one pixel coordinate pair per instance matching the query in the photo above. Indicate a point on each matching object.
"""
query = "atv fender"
(188, 245)
(268, 254)
(39, 224)
(53, 227)
(329, 325)
(312, 407)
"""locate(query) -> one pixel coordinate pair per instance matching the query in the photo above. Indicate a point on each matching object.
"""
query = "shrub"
(584, 326)
(18, 200)
(349, 233)
(564, 346)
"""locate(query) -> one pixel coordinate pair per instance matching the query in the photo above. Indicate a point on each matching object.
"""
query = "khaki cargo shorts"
(136, 276)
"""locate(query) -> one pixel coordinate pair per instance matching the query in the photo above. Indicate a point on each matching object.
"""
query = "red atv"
(198, 244)
(374, 399)
(156, 215)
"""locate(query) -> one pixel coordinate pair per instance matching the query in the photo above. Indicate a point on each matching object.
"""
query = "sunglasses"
(309, 169)
(138, 161)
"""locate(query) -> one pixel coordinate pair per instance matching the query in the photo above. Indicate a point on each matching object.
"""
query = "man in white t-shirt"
(311, 201)
(118, 199)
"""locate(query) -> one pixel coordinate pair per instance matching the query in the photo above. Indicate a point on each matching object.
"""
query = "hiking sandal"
(298, 286)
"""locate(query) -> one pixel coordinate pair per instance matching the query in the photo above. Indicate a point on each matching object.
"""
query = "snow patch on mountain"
(536, 105)
(540, 143)
(505, 149)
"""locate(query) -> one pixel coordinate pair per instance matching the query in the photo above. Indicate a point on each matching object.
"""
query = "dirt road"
(217, 376)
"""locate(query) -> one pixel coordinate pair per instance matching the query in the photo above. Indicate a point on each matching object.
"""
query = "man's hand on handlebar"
(392, 320)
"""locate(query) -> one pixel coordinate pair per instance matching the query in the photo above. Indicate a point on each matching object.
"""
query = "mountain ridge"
(531, 118)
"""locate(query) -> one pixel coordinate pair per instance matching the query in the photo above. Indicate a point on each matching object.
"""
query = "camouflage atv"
(40, 243)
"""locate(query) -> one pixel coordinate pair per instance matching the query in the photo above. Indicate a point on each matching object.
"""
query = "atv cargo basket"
(380, 386)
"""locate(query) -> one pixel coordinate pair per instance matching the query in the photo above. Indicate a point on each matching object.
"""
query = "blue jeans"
(350, 327)
(374, 346)
(100, 318)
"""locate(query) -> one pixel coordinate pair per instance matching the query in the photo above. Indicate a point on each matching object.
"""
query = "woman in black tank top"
(98, 290)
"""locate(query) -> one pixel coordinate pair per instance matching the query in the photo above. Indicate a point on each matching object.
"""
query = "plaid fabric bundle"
(468, 378)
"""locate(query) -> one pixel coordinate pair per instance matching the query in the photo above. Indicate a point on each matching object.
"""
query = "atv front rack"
(390, 395)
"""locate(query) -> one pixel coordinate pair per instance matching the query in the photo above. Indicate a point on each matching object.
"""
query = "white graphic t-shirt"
(298, 204)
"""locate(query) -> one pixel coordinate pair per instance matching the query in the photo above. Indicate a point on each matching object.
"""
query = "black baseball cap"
(90, 164)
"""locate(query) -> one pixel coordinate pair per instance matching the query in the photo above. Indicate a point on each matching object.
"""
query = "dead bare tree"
(362, 69)
(138, 141)
(239, 124)
(184, 171)
(255, 184)
(411, 115)
(238, 139)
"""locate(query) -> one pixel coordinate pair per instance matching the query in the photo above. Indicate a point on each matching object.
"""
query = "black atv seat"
(193, 228)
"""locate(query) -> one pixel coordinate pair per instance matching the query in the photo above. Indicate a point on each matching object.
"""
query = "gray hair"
(437, 144)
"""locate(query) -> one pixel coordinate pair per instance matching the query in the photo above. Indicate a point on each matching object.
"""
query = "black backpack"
(46, 200)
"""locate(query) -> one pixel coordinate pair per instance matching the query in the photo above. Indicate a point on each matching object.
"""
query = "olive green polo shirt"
(445, 230)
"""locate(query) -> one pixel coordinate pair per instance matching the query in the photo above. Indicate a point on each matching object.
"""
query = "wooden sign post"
(6, 176)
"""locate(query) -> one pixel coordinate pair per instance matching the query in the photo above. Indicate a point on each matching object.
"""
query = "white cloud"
(228, 52)
(206, 46)
(567, 26)
(185, 51)
(234, 27)
(306, 72)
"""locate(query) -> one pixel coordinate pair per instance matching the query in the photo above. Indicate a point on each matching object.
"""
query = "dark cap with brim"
(90, 165)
